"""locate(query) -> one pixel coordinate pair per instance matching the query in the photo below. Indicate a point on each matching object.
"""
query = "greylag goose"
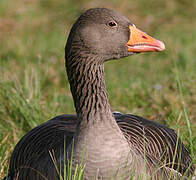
(109, 145)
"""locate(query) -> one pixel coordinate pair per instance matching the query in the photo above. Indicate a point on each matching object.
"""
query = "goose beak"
(139, 41)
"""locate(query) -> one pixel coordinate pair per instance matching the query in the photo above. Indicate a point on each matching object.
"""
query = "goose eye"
(112, 24)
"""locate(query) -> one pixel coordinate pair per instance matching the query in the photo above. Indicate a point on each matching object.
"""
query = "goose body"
(109, 145)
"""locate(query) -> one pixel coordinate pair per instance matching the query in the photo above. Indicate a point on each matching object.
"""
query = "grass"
(68, 173)
(33, 82)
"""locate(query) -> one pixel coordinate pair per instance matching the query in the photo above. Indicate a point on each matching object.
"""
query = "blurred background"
(33, 82)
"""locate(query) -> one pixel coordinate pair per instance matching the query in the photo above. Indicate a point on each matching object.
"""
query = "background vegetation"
(33, 82)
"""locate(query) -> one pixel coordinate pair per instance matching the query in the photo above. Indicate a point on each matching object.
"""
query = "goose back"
(157, 142)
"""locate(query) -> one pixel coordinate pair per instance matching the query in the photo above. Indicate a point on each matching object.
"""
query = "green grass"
(33, 82)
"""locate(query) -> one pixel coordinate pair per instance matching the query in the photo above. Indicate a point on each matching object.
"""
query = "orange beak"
(141, 42)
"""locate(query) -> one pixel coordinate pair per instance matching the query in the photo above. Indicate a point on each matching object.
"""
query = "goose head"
(108, 35)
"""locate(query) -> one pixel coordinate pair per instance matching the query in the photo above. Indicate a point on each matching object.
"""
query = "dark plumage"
(112, 144)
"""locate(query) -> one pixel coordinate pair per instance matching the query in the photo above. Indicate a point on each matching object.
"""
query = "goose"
(108, 145)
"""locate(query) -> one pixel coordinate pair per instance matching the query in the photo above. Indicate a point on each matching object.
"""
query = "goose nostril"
(144, 37)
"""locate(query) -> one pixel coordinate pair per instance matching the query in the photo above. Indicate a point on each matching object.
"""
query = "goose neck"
(87, 83)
